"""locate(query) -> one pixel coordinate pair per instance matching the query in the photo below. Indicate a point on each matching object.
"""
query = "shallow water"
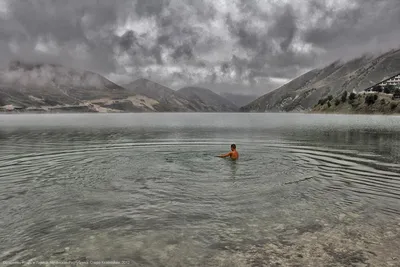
(148, 190)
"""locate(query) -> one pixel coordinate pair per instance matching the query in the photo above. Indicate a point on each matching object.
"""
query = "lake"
(147, 190)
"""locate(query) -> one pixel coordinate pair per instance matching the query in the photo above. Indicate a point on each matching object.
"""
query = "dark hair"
(233, 146)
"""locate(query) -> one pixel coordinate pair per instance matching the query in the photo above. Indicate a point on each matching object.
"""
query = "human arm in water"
(225, 155)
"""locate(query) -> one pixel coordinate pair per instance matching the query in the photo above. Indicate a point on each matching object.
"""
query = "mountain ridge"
(43, 87)
(303, 92)
(169, 100)
(50, 85)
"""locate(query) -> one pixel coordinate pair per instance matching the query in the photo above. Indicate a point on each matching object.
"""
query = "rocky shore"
(348, 241)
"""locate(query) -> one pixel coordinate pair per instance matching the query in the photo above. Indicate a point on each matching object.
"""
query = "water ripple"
(61, 188)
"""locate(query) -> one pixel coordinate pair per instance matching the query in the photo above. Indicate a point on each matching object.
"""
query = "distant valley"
(207, 100)
(239, 100)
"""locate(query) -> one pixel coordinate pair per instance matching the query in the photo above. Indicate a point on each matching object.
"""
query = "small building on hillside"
(391, 81)
(394, 80)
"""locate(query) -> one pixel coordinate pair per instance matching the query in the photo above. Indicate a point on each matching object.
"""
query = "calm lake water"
(147, 190)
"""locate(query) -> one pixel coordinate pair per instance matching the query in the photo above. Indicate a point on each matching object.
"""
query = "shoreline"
(354, 113)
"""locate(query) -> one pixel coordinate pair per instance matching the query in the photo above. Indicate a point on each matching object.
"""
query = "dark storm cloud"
(285, 28)
(127, 40)
(184, 50)
(150, 7)
(260, 42)
(247, 38)
(246, 43)
(370, 27)
(64, 27)
(224, 67)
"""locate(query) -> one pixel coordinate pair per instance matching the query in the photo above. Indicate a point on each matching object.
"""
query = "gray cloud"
(243, 45)
(284, 28)
(146, 8)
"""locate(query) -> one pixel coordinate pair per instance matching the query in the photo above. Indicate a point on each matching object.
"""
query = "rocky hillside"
(302, 93)
(25, 84)
(48, 87)
(361, 103)
(206, 100)
(168, 99)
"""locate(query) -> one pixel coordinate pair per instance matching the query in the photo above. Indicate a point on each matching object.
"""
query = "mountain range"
(55, 88)
(302, 93)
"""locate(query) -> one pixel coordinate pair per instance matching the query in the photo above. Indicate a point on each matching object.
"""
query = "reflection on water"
(147, 188)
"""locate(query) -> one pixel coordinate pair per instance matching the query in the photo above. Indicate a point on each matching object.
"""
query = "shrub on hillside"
(370, 99)
(337, 102)
(386, 90)
(344, 96)
(2, 102)
(393, 106)
(50, 102)
(330, 97)
(389, 89)
(322, 101)
(352, 96)
(329, 104)
(383, 102)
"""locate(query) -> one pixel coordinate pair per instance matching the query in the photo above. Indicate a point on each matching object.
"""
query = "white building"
(392, 81)
(395, 80)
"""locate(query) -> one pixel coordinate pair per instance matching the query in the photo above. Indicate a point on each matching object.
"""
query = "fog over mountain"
(238, 46)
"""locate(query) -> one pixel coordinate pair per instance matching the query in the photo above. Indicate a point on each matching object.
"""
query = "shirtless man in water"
(233, 154)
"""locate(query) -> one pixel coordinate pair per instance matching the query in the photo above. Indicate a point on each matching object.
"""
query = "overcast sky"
(231, 45)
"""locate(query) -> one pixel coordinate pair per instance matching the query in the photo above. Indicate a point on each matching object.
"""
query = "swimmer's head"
(233, 147)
